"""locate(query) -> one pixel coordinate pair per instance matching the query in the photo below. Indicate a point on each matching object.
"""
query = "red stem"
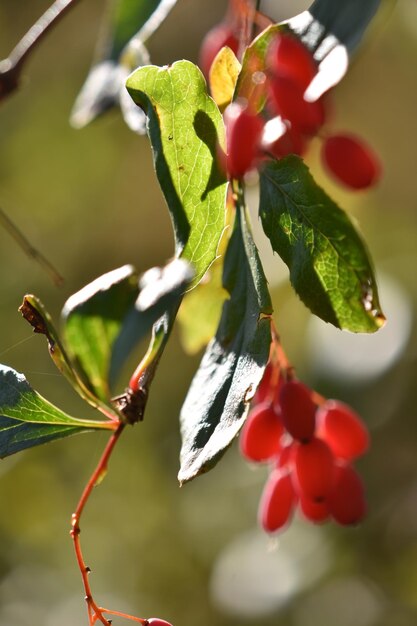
(142, 621)
(134, 382)
(94, 611)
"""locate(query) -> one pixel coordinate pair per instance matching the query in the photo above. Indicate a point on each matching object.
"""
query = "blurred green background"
(90, 202)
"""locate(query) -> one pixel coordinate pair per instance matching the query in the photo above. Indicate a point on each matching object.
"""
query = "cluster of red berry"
(291, 121)
(310, 443)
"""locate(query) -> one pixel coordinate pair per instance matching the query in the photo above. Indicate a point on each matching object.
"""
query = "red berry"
(347, 503)
(298, 410)
(277, 502)
(264, 390)
(289, 58)
(155, 621)
(219, 36)
(276, 391)
(314, 511)
(261, 434)
(286, 457)
(287, 100)
(243, 135)
(351, 161)
(314, 469)
(342, 429)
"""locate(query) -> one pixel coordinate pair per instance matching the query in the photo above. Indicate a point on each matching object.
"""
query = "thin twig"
(10, 68)
(30, 250)
(95, 613)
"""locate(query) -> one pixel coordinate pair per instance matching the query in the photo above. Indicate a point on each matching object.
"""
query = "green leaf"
(138, 18)
(185, 127)
(161, 290)
(93, 319)
(254, 63)
(232, 367)
(329, 265)
(38, 317)
(200, 310)
(104, 88)
(104, 321)
(27, 419)
(129, 24)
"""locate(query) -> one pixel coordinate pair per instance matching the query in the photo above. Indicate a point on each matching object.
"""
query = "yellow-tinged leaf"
(223, 77)
(200, 311)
